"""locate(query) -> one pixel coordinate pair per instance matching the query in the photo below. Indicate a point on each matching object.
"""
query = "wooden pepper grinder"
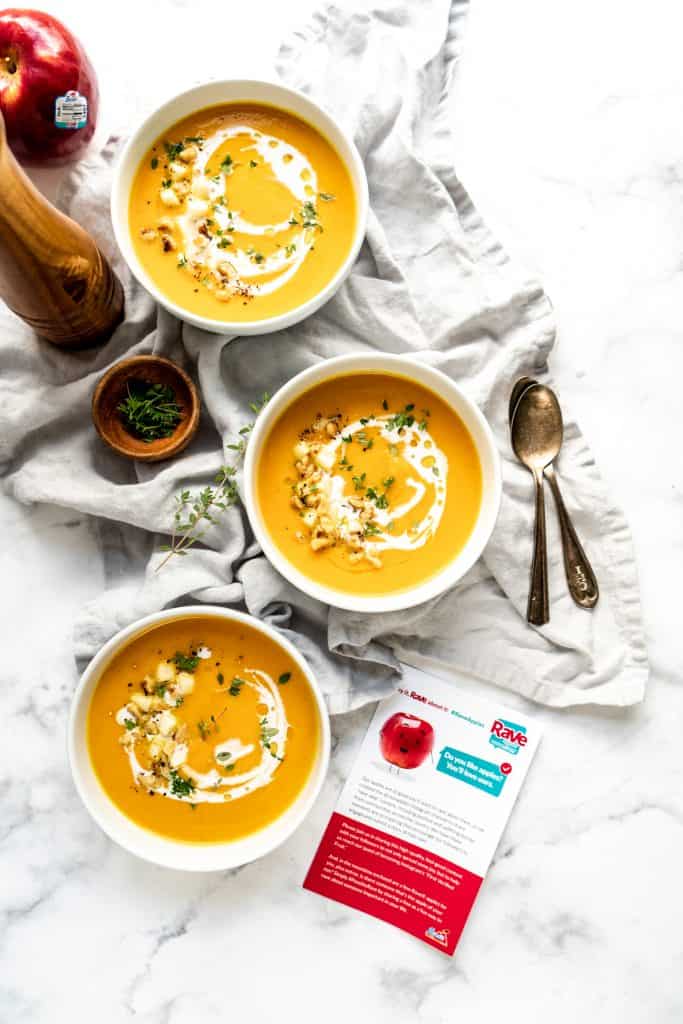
(52, 274)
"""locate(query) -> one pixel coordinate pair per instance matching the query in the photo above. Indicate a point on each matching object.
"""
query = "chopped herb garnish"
(236, 685)
(327, 197)
(385, 405)
(290, 249)
(372, 529)
(266, 734)
(203, 728)
(223, 755)
(226, 164)
(180, 786)
(221, 678)
(173, 149)
(347, 439)
(253, 163)
(359, 482)
(401, 419)
(309, 215)
(422, 424)
(182, 262)
(387, 482)
(284, 678)
(154, 163)
(161, 689)
(185, 662)
(150, 411)
(166, 183)
(435, 470)
(130, 724)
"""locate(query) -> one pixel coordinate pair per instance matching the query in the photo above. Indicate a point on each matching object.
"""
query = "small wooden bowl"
(112, 389)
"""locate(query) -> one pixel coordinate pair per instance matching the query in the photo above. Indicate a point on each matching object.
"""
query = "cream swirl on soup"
(369, 482)
(208, 223)
(161, 733)
(366, 517)
(242, 211)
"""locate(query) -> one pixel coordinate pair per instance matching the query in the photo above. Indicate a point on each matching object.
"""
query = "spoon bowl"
(537, 427)
(518, 390)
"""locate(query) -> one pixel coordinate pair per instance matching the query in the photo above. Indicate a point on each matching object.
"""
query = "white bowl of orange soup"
(198, 738)
(372, 482)
(240, 206)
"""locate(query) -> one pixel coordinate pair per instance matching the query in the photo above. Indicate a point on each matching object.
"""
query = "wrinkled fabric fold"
(431, 282)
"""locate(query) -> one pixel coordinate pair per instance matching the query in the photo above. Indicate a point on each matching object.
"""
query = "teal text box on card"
(484, 775)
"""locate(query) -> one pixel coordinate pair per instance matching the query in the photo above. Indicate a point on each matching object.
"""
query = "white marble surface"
(569, 140)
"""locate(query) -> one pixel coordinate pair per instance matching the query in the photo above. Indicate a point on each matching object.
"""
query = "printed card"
(424, 808)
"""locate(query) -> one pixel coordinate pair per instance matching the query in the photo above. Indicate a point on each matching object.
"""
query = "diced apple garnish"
(179, 171)
(166, 722)
(179, 755)
(184, 683)
(155, 747)
(169, 197)
(165, 672)
(142, 700)
(325, 458)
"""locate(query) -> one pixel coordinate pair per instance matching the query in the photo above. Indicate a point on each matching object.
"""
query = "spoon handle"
(538, 608)
(581, 580)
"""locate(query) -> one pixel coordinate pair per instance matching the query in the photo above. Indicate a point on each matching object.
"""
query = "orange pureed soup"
(242, 212)
(203, 730)
(369, 483)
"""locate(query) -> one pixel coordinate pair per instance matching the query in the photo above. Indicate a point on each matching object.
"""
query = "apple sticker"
(406, 741)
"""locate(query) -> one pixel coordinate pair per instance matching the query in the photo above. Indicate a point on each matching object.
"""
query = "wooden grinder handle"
(52, 274)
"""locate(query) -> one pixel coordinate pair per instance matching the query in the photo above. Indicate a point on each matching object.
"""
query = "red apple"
(41, 61)
(406, 740)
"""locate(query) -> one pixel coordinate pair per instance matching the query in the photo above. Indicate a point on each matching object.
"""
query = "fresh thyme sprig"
(196, 511)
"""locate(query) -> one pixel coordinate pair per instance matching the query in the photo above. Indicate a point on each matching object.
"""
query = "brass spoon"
(581, 580)
(536, 437)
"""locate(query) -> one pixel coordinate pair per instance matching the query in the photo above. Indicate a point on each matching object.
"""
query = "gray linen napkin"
(430, 281)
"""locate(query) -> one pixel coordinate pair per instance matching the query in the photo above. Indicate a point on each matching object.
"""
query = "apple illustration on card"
(406, 741)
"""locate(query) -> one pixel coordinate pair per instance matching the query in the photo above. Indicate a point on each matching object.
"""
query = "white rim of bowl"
(431, 378)
(242, 91)
(152, 846)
